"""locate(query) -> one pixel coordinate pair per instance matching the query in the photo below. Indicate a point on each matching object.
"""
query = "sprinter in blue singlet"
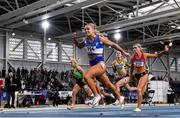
(94, 43)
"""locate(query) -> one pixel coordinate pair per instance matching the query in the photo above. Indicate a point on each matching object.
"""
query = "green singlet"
(77, 74)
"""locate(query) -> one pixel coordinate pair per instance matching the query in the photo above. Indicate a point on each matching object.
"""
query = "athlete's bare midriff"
(92, 57)
(139, 70)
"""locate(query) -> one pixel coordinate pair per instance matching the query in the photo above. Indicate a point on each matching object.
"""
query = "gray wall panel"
(157, 65)
(82, 56)
(1, 64)
(28, 65)
(2, 44)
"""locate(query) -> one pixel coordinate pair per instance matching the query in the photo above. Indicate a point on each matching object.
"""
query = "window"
(67, 52)
(34, 49)
(15, 48)
(178, 64)
(52, 52)
(172, 62)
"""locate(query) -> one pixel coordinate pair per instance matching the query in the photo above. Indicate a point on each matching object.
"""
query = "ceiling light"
(117, 36)
(45, 24)
(25, 21)
(49, 38)
(45, 17)
(13, 34)
(170, 44)
(68, 5)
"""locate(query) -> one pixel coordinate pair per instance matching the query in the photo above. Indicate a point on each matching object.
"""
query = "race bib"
(91, 48)
(120, 66)
(139, 63)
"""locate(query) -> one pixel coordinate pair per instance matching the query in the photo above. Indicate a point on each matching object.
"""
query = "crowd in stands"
(41, 79)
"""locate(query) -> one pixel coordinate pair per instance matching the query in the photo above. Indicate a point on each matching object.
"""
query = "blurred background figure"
(10, 85)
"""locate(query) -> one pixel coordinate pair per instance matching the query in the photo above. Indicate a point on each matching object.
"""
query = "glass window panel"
(34, 50)
(52, 51)
(15, 48)
(67, 50)
(172, 64)
(178, 64)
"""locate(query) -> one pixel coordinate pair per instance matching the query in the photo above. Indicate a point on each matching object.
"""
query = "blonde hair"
(74, 60)
(138, 45)
(94, 27)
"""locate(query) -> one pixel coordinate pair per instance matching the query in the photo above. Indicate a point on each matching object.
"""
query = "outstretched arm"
(106, 41)
(166, 49)
(78, 44)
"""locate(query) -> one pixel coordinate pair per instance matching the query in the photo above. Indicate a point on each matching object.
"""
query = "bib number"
(139, 63)
(91, 48)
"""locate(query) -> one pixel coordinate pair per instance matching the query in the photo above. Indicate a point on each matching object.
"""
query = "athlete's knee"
(86, 76)
(112, 86)
(73, 93)
(139, 90)
(126, 80)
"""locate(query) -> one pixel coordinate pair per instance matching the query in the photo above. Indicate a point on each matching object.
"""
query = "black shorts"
(80, 82)
(139, 75)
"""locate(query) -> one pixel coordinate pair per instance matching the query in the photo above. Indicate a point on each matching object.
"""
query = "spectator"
(10, 69)
(10, 84)
(3, 72)
(26, 73)
(18, 74)
(23, 73)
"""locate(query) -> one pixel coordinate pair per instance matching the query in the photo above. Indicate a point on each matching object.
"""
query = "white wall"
(161, 90)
